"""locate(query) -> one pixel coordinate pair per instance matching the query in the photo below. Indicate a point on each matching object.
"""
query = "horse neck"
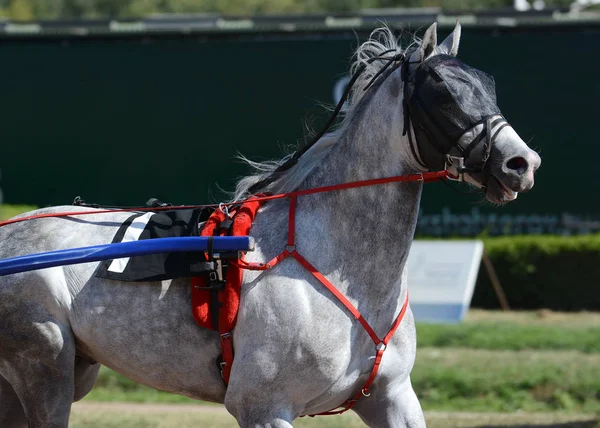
(370, 229)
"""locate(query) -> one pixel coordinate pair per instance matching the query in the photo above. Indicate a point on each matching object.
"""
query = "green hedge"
(555, 272)
(513, 336)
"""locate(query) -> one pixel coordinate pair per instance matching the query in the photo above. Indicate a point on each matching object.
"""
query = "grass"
(9, 211)
(518, 330)
(484, 380)
(140, 394)
(540, 317)
(509, 336)
(84, 416)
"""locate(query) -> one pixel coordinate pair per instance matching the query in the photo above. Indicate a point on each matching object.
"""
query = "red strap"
(396, 324)
(348, 404)
(381, 349)
(425, 177)
(381, 344)
(285, 253)
(292, 222)
(261, 266)
(227, 350)
(339, 296)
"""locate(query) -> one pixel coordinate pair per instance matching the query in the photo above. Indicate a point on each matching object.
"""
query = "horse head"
(457, 123)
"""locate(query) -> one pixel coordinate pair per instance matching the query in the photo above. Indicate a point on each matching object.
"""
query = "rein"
(425, 177)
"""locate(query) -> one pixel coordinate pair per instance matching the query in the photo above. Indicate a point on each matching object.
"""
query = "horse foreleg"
(255, 418)
(257, 411)
(396, 407)
(11, 411)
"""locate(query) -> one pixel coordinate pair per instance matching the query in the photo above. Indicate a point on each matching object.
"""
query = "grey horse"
(297, 350)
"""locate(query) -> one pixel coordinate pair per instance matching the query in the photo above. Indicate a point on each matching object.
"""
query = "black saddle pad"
(158, 267)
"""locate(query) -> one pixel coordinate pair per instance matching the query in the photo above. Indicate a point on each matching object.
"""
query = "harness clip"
(225, 210)
(455, 166)
(222, 364)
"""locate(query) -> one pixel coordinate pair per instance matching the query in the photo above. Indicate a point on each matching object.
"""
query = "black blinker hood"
(446, 98)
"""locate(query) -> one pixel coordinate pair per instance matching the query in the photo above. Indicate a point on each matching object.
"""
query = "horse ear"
(429, 42)
(450, 45)
(428, 45)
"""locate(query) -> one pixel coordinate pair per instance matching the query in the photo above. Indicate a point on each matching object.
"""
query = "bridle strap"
(407, 122)
(504, 125)
(486, 134)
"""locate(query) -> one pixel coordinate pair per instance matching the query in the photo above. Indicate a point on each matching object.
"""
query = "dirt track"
(148, 408)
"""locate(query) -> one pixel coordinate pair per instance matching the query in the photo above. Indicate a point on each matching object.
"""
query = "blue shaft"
(123, 249)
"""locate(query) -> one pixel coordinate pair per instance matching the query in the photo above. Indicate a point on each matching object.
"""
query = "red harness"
(290, 251)
(233, 285)
(380, 344)
(229, 295)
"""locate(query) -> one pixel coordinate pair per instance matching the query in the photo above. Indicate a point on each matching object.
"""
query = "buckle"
(213, 286)
(221, 364)
(225, 210)
(455, 166)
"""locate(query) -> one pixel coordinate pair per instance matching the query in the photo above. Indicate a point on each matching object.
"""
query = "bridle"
(434, 110)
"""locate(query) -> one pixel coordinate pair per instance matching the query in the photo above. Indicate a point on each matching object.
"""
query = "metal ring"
(224, 209)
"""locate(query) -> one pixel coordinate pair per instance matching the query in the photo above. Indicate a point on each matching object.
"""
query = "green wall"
(120, 120)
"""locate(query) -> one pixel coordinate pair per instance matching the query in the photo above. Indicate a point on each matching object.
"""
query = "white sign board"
(441, 279)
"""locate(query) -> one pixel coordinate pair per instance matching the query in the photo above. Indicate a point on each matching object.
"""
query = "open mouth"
(509, 195)
(497, 191)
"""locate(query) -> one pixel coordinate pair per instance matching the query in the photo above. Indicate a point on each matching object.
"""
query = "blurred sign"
(441, 279)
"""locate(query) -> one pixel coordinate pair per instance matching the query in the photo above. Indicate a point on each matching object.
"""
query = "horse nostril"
(518, 164)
